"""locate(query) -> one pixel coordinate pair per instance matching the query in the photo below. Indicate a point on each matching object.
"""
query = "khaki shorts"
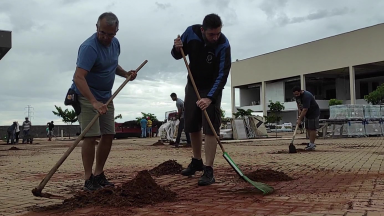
(104, 125)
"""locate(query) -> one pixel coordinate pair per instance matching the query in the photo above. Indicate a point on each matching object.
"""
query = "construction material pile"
(265, 175)
(138, 192)
(170, 167)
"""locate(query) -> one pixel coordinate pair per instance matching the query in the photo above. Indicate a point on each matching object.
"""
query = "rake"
(266, 189)
(38, 190)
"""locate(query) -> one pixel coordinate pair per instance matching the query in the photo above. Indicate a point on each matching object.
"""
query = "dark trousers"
(17, 137)
(180, 130)
(11, 137)
(25, 136)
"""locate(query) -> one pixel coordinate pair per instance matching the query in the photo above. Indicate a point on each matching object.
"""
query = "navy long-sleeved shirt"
(209, 66)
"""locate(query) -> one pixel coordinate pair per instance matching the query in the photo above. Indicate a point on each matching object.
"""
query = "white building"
(346, 67)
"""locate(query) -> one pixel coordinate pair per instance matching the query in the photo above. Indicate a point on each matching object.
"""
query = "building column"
(302, 82)
(352, 82)
(233, 99)
(263, 98)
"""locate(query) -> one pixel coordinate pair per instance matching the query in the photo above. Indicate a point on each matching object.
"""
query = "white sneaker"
(310, 146)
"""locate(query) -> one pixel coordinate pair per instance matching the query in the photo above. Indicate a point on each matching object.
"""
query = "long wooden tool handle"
(294, 133)
(80, 137)
(198, 97)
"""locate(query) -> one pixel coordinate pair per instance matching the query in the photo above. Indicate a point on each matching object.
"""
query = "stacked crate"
(373, 122)
(362, 120)
(355, 117)
(338, 112)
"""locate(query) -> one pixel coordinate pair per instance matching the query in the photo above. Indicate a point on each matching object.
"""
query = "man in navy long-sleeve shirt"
(209, 55)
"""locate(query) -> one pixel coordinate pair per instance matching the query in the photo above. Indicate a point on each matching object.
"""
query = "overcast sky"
(46, 34)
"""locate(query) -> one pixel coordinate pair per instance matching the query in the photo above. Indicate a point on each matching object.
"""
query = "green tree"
(376, 97)
(333, 102)
(242, 113)
(222, 113)
(275, 109)
(146, 115)
(118, 117)
(224, 120)
(68, 116)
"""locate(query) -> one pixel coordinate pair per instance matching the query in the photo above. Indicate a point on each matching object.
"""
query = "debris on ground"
(287, 152)
(158, 143)
(172, 142)
(268, 175)
(138, 192)
(14, 148)
(170, 167)
(183, 146)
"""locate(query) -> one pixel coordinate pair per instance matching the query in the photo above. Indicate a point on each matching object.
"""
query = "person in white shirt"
(17, 132)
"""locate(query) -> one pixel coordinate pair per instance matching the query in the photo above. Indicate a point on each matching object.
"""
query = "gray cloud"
(38, 69)
(320, 14)
(272, 8)
(221, 4)
(162, 6)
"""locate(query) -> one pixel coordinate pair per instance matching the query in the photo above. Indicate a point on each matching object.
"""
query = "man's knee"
(107, 139)
(89, 141)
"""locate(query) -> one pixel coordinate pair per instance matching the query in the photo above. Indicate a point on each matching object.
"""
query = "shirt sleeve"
(224, 68)
(86, 57)
(179, 105)
(184, 39)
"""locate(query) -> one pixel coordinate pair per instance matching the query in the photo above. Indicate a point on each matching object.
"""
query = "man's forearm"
(120, 71)
(83, 87)
(302, 114)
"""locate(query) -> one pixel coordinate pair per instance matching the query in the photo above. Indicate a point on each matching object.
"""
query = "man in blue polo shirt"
(97, 65)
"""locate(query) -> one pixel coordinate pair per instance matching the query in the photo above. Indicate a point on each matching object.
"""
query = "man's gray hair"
(110, 18)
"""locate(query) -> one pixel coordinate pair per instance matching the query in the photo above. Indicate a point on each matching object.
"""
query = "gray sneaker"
(310, 146)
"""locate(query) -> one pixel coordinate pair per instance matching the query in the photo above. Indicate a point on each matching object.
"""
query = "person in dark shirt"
(50, 130)
(309, 109)
(209, 55)
(11, 133)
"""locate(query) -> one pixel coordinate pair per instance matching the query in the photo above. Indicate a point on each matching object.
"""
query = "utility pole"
(29, 111)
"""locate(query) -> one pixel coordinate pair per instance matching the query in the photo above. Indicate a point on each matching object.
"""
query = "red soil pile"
(266, 175)
(170, 167)
(158, 143)
(138, 192)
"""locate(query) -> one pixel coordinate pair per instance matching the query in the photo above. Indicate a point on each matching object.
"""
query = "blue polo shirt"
(101, 63)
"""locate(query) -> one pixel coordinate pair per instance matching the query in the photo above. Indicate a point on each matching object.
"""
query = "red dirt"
(158, 143)
(138, 192)
(170, 167)
(14, 148)
(268, 175)
(299, 151)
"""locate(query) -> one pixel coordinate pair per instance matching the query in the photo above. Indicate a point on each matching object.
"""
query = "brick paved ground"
(342, 177)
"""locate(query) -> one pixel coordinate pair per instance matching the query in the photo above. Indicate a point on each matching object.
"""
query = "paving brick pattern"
(342, 177)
